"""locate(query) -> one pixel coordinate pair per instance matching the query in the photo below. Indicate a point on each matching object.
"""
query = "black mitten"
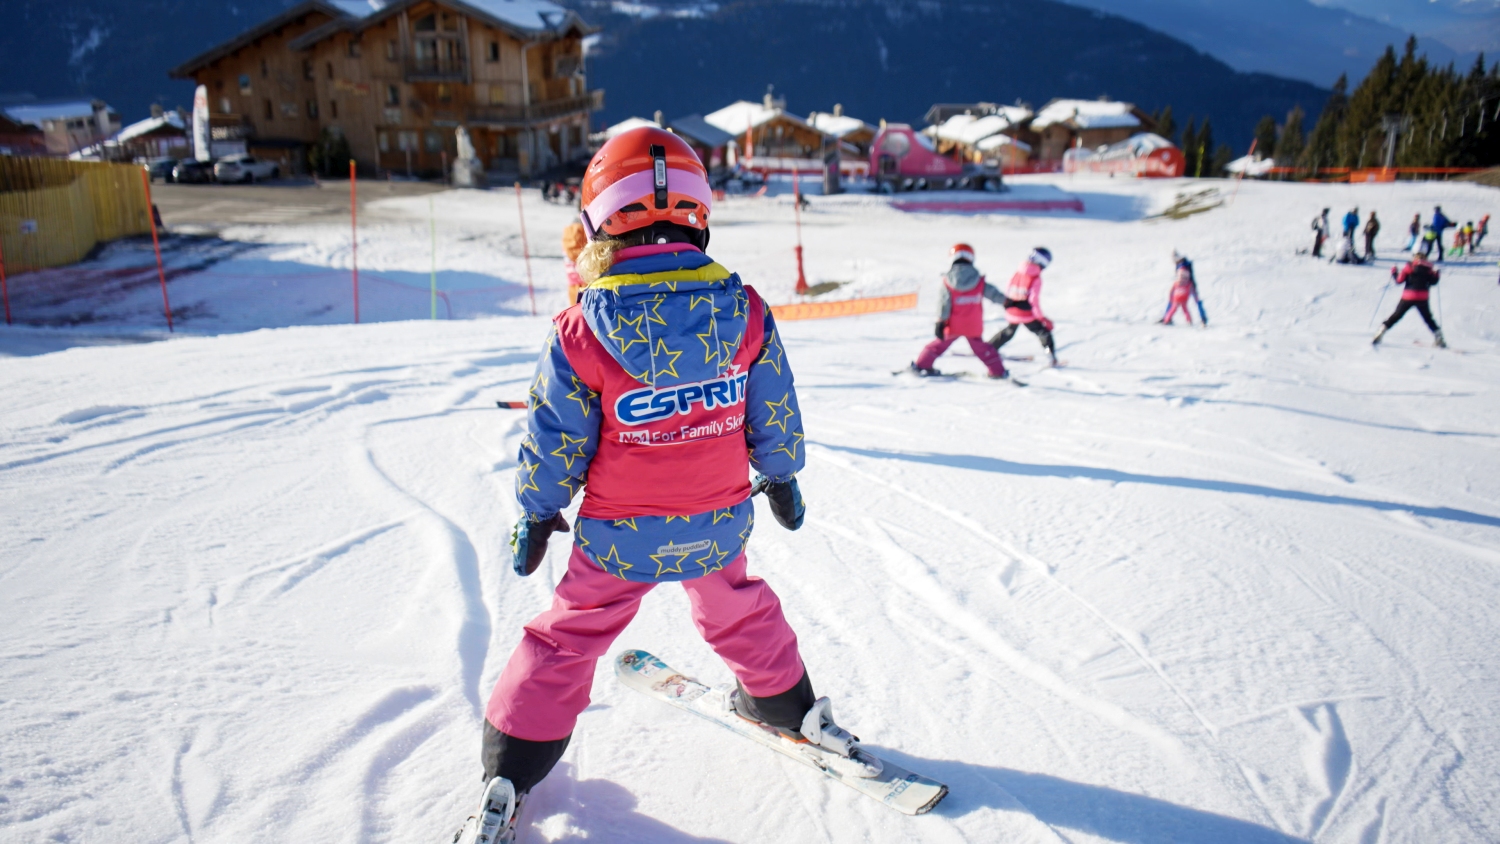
(528, 542)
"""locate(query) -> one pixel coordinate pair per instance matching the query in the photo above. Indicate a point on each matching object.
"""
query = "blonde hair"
(596, 258)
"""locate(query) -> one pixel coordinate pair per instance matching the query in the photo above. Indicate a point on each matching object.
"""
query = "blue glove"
(528, 542)
(785, 500)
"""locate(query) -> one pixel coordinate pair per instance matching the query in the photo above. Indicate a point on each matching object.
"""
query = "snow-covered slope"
(1233, 584)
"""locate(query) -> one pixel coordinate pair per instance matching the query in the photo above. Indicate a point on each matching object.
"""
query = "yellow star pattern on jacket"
(790, 446)
(662, 567)
(572, 484)
(709, 353)
(630, 523)
(567, 450)
(618, 565)
(701, 298)
(712, 559)
(685, 519)
(640, 335)
(670, 367)
(653, 313)
(773, 353)
(529, 470)
(786, 412)
(583, 395)
(538, 391)
(721, 515)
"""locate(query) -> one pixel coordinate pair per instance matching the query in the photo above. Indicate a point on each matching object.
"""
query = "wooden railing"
(53, 212)
(521, 115)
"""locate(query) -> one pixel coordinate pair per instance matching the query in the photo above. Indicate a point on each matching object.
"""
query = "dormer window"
(427, 23)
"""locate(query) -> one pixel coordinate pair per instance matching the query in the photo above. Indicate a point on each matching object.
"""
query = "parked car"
(192, 171)
(244, 168)
(161, 168)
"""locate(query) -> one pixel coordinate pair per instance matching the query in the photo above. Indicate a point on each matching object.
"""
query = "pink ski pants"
(982, 350)
(1172, 311)
(546, 684)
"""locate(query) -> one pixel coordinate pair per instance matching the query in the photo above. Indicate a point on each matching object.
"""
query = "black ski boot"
(924, 371)
(1378, 336)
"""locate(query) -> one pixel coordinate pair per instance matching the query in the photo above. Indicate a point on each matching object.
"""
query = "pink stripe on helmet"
(637, 185)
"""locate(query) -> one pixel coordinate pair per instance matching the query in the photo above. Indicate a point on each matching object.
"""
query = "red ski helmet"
(641, 177)
(962, 251)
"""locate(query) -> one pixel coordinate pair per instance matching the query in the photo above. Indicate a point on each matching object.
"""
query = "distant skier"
(1344, 253)
(627, 407)
(1479, 233)
(1429, 242)
(1372, 228)
(1023, 304)
(1460, 242)
(1320, 233)
(573, 240)
(1351, 224)
(1418, 277)
(1184, 287)
(1439, 223)
(1469, 233)
(1415, 229)
(961, 314)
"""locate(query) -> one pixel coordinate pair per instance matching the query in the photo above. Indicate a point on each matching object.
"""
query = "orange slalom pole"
(525, 249)
(797, 212)
(354, 237)
(161, 274)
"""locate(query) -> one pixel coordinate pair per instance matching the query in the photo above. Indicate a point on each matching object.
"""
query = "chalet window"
(392, 51)
(270, 113)
(307, 69)
(329, 65)
(393, 115)
(289, 110)
(333, 109)
(393, 95)
(564, 65)
(407, 141)
(494, 54)
(224, 106)
(426, 24)
(384, 139)
(497, 95)
(244, 83)
(312, 108)
(445, 93)
(434, 141)
(265, 71)
(353, 49)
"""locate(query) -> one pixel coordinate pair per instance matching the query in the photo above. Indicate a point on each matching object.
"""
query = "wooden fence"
(53, 212)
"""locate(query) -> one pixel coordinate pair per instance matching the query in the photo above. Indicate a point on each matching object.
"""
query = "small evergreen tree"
(1265, 137)
(1166, 126)
(1289, 144)
(1189, 148)
(1205, 150)
(1322, 146)
(1222, 156)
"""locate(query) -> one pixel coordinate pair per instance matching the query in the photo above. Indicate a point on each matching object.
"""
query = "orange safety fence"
(845, 307)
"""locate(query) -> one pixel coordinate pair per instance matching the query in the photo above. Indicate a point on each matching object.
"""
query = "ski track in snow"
(1232, 584)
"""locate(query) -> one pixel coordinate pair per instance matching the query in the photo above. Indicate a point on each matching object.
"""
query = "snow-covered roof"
(742, 115)
(837, 125)
(997, 141)
(1251, 165)
(535, 15)
(149, 125)
(695, 128)
(1086, 114)
(35, 113)
(627, 124)
(968, 129)
(357, 8)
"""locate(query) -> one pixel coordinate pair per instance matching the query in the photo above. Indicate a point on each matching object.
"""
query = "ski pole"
(1383, 289)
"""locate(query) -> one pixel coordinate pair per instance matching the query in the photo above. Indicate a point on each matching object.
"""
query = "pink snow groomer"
(655, 396)
(1023, 304)
(1184, 287)
(961, 314)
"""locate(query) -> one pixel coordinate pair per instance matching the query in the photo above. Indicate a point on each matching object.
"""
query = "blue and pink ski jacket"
(656, 395)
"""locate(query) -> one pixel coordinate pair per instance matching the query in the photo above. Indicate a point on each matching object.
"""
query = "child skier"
(573, 241)
(1418, 276)
(626, 408)
(1440, 223)
(1460, 241)
(961, 314)
(1184, 286)
(1416, 231)
(1023, 304)
(1468, 231)
(1320, 233)
(1372, 228)
(1484, 229)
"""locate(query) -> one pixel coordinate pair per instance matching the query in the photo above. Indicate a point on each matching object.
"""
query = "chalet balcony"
(436, 69)
(520, 116)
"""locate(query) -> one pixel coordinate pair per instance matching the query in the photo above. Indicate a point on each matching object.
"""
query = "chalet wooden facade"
(396, 82)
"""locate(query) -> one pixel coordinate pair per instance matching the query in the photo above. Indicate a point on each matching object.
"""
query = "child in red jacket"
(961, 314)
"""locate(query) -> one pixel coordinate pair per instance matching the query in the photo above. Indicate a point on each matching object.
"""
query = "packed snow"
(1233, 584)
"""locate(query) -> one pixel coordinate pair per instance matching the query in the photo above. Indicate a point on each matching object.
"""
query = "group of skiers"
(961, 311)
(1345, 252)
(1426, 238)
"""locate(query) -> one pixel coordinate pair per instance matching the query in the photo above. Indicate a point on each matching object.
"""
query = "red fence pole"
(4, 285)
(161, 274)
(525, 249)
(797, 212)
(354, 238)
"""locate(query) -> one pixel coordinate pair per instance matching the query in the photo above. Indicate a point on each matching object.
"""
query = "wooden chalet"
(397, 80)
(1061, 125)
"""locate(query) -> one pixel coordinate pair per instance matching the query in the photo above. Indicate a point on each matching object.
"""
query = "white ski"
(902, 790)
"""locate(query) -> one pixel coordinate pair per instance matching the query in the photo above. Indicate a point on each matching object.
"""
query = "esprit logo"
(648, 404)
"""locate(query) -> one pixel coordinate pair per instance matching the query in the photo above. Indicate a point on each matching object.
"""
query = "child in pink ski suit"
(1023, 304)
(961, 314)
(1184, 287)
(655, 396)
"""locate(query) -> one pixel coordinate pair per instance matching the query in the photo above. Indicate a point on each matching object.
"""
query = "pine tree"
(1359, 134)
(1165, 125)
(1322, 146)
(1189, 148)
(1289, 144)
(1265, 136)
(1222, 156)
(1205, 150)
